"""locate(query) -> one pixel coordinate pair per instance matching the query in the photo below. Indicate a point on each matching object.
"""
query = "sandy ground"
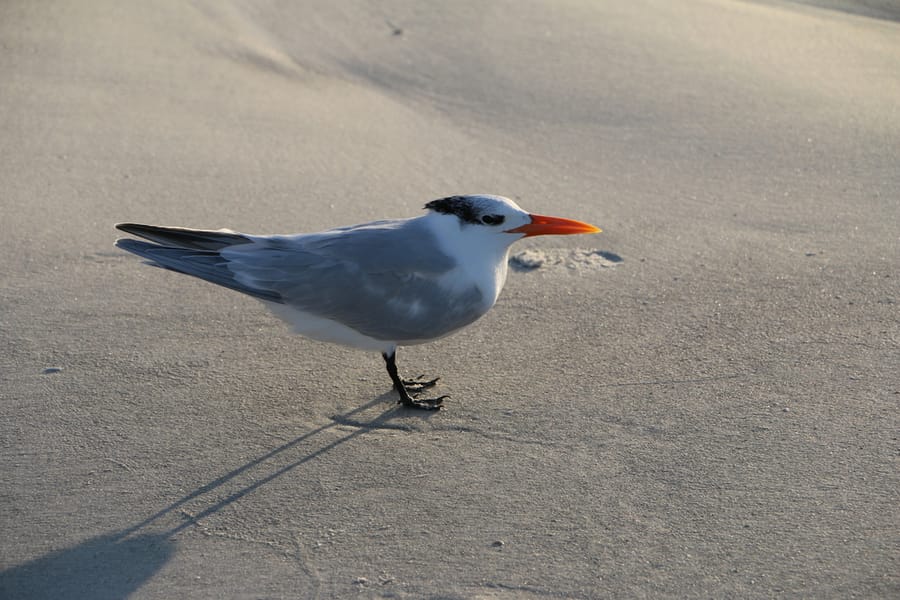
(711, 412)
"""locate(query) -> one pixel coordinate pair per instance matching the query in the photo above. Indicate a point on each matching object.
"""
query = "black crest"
(461, 206)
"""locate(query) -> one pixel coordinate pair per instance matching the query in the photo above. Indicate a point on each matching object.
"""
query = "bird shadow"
(115, 565)
(105, 567)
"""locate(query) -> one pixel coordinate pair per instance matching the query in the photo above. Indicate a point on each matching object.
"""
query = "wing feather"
(382, 279)
(181, 237)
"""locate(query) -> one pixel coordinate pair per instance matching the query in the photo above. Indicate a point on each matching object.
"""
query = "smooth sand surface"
(709, 410)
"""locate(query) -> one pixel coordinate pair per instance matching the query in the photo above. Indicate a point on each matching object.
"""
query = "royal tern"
(374, 286)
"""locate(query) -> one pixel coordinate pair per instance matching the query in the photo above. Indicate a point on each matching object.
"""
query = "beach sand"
(701, 402)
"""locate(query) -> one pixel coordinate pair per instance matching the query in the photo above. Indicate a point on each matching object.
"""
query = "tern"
(374, 286)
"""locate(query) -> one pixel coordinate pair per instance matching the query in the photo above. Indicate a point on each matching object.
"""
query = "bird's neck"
(480, 261)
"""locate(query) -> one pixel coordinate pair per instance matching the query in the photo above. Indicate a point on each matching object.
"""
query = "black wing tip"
(134, 246)
(148, 232)
(131, 227)
(137, 228)
(186, 236)
(122, 242)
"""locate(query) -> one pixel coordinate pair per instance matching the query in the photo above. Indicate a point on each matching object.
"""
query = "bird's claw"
(424, 404)
(419, 383)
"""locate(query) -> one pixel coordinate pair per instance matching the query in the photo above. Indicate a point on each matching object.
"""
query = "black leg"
(401, 387)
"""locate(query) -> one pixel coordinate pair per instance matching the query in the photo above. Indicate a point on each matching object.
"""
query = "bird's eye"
(492, 219)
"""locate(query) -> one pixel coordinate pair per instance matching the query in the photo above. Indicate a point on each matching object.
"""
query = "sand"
(701, 402)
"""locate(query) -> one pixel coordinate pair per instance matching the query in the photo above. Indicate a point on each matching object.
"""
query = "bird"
(374, 286)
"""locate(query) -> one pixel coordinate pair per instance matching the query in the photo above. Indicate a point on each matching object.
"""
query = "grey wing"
(381, 279)
(261, 266)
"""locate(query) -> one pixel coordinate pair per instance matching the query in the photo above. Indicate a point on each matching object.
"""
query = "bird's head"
(485, 215)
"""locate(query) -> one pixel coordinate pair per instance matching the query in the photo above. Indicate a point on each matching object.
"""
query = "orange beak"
(541, 225)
